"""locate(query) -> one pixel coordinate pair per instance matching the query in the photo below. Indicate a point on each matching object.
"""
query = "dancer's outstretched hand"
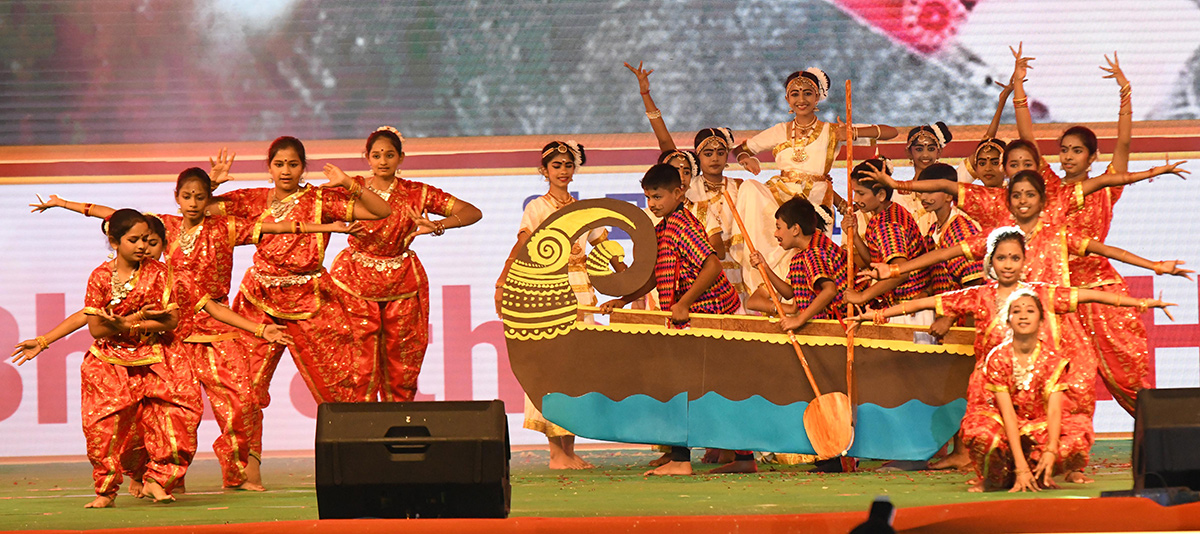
(1114, 70)
(43, 205)
(354, 228)
(1172, 268)
(218, 168)
(276, 334)
(1171, 168)
(643, 76)
(336, 176)
(1021, 63)
(26, 350)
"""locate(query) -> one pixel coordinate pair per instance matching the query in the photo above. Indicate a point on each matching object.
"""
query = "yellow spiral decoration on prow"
(549, 249)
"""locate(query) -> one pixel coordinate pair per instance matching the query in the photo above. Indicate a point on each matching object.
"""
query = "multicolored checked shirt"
(682, 250)
(822, 260)
(956, 272)
(893, 233)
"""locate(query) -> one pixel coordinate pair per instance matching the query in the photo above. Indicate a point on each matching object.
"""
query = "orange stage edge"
(1039, 515)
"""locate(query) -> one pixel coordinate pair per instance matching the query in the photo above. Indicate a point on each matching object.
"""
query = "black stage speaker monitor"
(1166, 439)
(412, 459)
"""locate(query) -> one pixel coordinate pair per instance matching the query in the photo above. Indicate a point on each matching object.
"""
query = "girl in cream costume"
(804, 149)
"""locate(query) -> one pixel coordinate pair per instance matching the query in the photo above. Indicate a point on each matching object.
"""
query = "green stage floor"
(52, 495)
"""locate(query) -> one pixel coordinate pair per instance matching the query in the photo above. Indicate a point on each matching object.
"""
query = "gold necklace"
(712, 187)
(120, 290)
(385, 194)
(559, 204)
(280, 209)
(809, 132)
(1023, 374)
(187, 238)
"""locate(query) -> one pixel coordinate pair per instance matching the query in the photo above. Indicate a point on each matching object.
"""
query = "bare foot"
(710, 456)
(576, 462)
(247, 486)
(726, 456)
(101, 501)
(560, 460)
(135, 489)
(661, 460)
(1077, 477)
(671, 468)
(975, 481)
(959, 459)
(737, 466)
(180, 487)
(977, 488)
(253, 477)
(151, 489)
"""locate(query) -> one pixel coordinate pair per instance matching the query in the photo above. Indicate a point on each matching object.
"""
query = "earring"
(112, 255)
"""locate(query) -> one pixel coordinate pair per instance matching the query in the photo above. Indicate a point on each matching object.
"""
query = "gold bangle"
(1141, 307)
(879, 317)
(878, 131)
(295, 227)
(655, 114)
(455, 215)
(893, 270)
(136, 329)
(41, 341)
(258, 333)
(1118, 304)
(87, 209)
(302, 228)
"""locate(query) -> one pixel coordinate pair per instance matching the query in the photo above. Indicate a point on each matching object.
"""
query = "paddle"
(827, 418)
(848, 242)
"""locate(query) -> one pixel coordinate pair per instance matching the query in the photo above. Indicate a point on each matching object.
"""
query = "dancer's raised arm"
(1020, 101)
(665, 142)
(1120, 158)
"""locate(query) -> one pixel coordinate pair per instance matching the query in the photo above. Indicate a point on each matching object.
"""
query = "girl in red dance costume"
(387, 290)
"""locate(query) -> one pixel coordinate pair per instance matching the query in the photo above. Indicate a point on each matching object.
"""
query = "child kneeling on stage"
(816, 274)
(1035, 435)
(689, 279)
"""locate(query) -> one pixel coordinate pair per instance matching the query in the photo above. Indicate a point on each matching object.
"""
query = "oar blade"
(828, 423)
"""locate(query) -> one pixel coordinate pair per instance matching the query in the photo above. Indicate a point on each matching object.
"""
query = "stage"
(615, 497)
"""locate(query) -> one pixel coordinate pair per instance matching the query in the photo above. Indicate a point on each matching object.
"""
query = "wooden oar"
(827, 419)
(851, 272)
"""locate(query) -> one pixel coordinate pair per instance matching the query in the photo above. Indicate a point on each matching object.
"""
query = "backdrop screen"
(110, 71)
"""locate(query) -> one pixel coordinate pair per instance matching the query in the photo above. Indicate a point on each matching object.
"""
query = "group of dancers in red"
(165, 329)
(1002, 242)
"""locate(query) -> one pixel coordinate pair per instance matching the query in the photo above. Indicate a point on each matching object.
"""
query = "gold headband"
(678, 154)
(561, 149)
(925, 134)
(989, 143)
(717, 138)
(804, 81)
